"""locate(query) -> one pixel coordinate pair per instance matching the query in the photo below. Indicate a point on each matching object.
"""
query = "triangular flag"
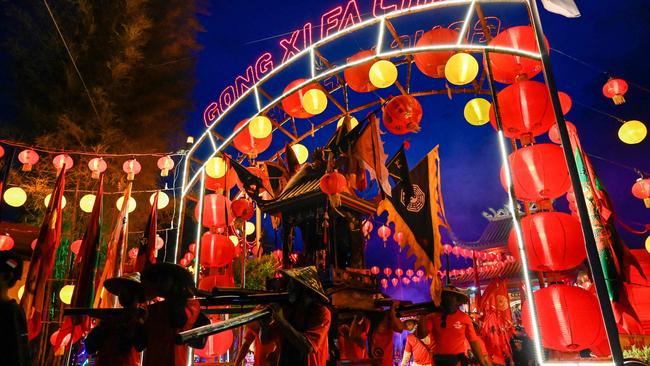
(147, 249)
(567, 8)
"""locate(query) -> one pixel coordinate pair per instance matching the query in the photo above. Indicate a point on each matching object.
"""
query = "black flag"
(398, 169)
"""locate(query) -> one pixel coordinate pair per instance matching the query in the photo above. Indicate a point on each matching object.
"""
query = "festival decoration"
(97, 166)
(46, 200)
(553, 241)
(384, 283)
(554, 134)
(358, 77)
(62, 161)
(539, 172)
(387, 271)
(189, 256)
(6, 242)
(234, 239)
(242, 209)
(374, 270)
(477, 111)
(249, 145)
(394, 281)
(249, 228)
(507, 68)
(333, 183)
(314, 101)
(352, 123)
(216, 167)
(366, 228)
(260, 127)
(647, 244)
(133, 253)
(433, 63)
(292, 104)
(65, 294)
(2, 152)
(615, 90)
(131, 167)
(399, 272)
(301, 152)
(383, 74)
(86, 202)
(406, 281)
(419, 273)
(402, 115)
(15, 196)
(163, 199)
(130, 206)
(216, 250)
(217, 344)
(216, 210)
(399, 237)
(568, 316)
(74, 246)
(160, 243)
(165, 164)
(28, 158)
(641, 190)
(461, 69)
(384, 233)
(632, 132)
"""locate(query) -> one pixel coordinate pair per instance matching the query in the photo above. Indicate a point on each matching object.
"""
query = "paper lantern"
(165, 164)
(387, 271)
(416, 279)
(47, 198)
(131, 167)
(402, 115)
(249, 228)
(28, 158)
(461, 69)
(33, 243)
(15, 196)
(21, 291)
(2, 151)
(242, 209)
(352, 123)
(87, 202)
(248, 144)
(216, 344)
(97, 166)
(641, 190)
(539, 172)
(569, 318)
(163, 199)
(477, 111)
(333, 183)
(399, 272)
(632, 132)
(314, 101)
(226, 182)
(216, 167)
(367, 227)
(399, 237)
(234, 239)
(55, 336)
(358, 77)
(216, 250)
(647, 244)
(615, 90)
(384, 233)
(409, 273)
(433, 63)
(383, 74)
(62, 161)
(510, 68)
(394, 281)
(65, 294)
(260, 127)
(374, 270)
(553, 241)
(406, 281)
(554, 133)
(301, 152)
(133, 253)
(216, 210)
(384, 283)
(292, 104)
(419, 273)
(446, 248)
(208, 283)
(159, 242)
(130, 206)
(6, 242)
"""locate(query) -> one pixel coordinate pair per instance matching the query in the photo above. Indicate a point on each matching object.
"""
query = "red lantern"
(75, 245)
(357, 76)
(553, 241)
(384, 283)
(554, 133)
(409, 273)
(133, 253)
(399, 237)
(229, 180)
(383, 232)
(165, 164)
(406, 281)
(131, 168)
(538, 172)
(216, 250)
(394, 281)
(292, 104)
(419, 273)
(2, 152)
(97, 166)
(416, 279)
(525, 108)
(433, 63)
(467, 253)
(242, 209)
(192, 248)
(641, 190)
(447, 248)
(399, 272)
(366, 228)
(333, 183)
(216, 208)
(208, 283)
(387, 271)
(160, 243)
(615, 89)
(456, 251)
(568, 316)
(28, 158)
(374, 270)
(510, 68)
(6, 242)
(183, 262)
(216, 344)
(62, 161)
(248, 144)
(402, 115)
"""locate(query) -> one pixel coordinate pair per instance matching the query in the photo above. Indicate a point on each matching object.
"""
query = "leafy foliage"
(642, 354)
(258, 269)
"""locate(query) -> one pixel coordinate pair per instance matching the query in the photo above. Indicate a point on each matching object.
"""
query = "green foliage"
(642, 354)
(258, 269)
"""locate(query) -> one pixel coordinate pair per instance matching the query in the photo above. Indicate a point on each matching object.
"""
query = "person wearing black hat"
(451, 329)
(14, 346)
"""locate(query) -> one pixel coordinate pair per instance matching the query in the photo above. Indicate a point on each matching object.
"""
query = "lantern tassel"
(27, 167)
(618, 99)
(130, 176)
(95, 174)
(164, 172)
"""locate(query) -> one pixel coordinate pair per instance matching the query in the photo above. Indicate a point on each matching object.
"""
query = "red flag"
(370, 149)
(497, 328)
(147, 250)
(42, 263)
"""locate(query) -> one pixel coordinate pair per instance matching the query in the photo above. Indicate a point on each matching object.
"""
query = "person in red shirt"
(419, 349)
(353, 337)
(451, 328)
(382, 331)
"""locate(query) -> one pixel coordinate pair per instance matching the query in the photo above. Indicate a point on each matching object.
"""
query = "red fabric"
(266, 353)
(420, 352)
(381, 343)
(162, 349)
(451, 339)
(316, 323)
(351, 350)
(107, 355)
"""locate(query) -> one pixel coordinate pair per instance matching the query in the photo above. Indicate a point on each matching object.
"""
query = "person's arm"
(482, 357)
(408, 349)
(395, 324)
(243, 350)
(296, 338)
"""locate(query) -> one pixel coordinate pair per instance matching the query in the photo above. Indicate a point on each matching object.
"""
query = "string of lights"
(49, 150)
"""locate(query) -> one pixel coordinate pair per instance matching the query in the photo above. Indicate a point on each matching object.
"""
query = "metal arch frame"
(381, 22)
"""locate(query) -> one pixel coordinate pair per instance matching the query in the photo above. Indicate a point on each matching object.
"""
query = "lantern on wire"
(292, 104)
(358, 77)
(399, 237)
(366, 228)
(247, 144)
(160, 242)
(432, 63)
(216, 167)
(97, 166)
(216, 208)
(477, 111)
(387, 271)
(615, 90)
(394, 281)
(62, 161)
(249, 228)
(15, 196)
(87, 202)
(419, 273)
(216, 344)
(216, 250)
(406, 281)
(507, 68)
(399, 272)
(28, 158)
(65, 294)
(402, 115)
(461, 69)
(165, 164)
(2, 151)
(332, 184)
(554, 133)
(301, 152)
(242, 209)
(409, 273)
(384, 283)
(641, 190)
(314, 101)
(131, 167)
(260, 127)
(374, 270)
(647, 244)
(384, 233)
(382, 74)
(6, 242)
(130, 205)
(47, 198)
(632, 132)
(352, 122)
(163, 200)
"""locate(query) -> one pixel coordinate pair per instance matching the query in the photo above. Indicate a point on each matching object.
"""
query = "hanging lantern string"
(593, 109)
(49, 150)
(636, 170)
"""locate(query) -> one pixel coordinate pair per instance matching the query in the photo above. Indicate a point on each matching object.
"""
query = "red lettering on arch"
(244, 83)
(330, 21)
(378, 8)
(210, 113)
(306, 35)
(351, 15)
(263, 65)
(289, 45)
(226, 97)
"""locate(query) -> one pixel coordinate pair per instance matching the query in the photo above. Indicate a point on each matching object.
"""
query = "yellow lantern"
(647, 243)
(15, 196)
(632, 132)
(21, 291)
(216, 167)
(301, 152)
(234, 239)
(47, 200)
(314, 101)
(131, 205)
(163, 199)
(461, 69)
(260, 127)
(250, 228)
(87, 202)
(383, 74)
(353, 122)
(66, 294)
(477, 111)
